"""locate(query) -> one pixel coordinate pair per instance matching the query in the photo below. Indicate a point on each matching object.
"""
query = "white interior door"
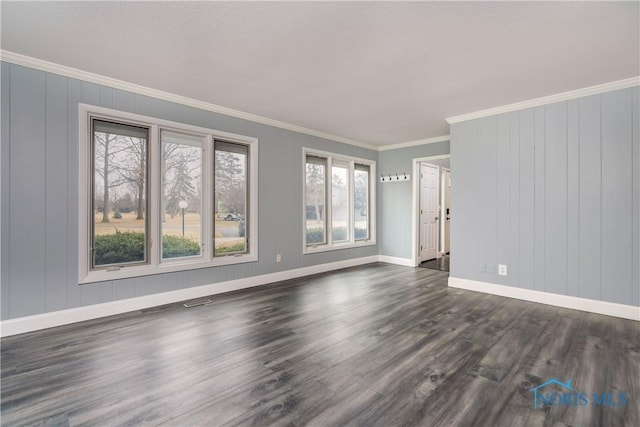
(446, 214)
(429, 177)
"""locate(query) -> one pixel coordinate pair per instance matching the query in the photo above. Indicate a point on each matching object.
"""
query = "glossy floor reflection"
(441, 264)
(376, 345)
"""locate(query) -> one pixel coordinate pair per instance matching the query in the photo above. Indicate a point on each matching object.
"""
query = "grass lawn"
(171, 227)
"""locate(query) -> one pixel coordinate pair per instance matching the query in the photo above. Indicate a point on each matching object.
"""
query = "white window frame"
(156, 264)
(329, 245)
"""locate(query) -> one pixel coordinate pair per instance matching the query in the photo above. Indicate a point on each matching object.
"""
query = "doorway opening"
(432, 212)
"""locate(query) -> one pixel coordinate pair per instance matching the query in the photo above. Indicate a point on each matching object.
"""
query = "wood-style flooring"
(376, 345)
(441, 263)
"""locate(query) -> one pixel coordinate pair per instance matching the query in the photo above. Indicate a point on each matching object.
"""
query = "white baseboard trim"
(565, 301)
(407, 262)
(63, 317)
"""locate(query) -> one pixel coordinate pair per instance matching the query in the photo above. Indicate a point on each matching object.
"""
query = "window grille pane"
(315, 200)
(230, 199)
(361, 202)
(119, 194)
(181, 203)
(340, 201)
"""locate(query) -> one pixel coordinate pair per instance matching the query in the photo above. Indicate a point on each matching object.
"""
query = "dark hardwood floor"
(377, 345)
(441, 263)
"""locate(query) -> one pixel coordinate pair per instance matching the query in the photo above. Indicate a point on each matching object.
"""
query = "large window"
(159, 196)
(231, 161)
(119, 194)
(338, 195)
(361, 206)
(315, 198)
(181, 208)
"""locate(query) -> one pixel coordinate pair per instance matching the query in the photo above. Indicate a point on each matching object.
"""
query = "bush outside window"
(162, 196)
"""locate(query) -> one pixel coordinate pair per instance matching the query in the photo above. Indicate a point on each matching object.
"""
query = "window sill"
(337, 246)
(167, 267)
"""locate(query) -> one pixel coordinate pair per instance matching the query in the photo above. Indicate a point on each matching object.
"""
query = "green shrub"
(315, 235)
(339, 233)
(174, 246)
(117, 215)
(124, 247)
(119, 248)
(233, 248)
(361, 233)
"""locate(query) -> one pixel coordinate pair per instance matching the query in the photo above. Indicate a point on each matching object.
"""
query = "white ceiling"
(379, 73)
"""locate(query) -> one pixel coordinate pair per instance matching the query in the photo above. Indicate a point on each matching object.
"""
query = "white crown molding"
(64, 317)
(399, 145)
(565, 301)
(564, 96)
(62, 70)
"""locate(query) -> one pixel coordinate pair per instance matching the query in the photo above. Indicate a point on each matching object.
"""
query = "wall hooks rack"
(395, 177)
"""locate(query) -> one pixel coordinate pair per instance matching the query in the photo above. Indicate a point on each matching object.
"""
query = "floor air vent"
(196, 303)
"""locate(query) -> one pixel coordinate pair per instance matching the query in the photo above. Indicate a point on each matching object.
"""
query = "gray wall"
(40, 194)
(553, 192)
(394, 199)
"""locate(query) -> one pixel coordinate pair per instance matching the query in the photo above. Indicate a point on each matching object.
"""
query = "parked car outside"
(228, 217)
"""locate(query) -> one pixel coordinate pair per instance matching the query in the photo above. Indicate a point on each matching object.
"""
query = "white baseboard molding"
(565, 301)
(407, 262)
(63, 317)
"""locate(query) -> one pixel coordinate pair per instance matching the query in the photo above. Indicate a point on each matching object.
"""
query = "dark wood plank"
(376, 345)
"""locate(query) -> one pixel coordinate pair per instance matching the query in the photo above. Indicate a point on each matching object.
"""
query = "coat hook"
(382, 176)
(397, 177)
(405, 175)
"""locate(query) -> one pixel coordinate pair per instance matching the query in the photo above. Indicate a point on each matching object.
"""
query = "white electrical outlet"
(278, 258)
(502, 269)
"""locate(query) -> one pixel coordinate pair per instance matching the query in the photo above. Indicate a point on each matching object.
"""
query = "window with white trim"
(158, 196)
(120, 170)
(339, 196)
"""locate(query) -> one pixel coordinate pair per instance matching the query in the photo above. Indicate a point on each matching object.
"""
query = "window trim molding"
(205, 202)
(90, 183)
(329, 245)
(156, 265)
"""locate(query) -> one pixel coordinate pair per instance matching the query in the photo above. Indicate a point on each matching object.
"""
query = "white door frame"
(415, 206)
(436, 213)
(443, 209)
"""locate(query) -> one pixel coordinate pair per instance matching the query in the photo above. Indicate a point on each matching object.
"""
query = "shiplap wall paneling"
(574, 169)
(590, 214)
(526, 208)
(40, 194)
(56, 170)
(513, 255)
(27, 197)
(486, 186)
(464, 257)
(555, 202)
(73, 291)
(636, 195)
(503, 193)
(5, 156)
(573, 197)
(539, 199)
(617, 199)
